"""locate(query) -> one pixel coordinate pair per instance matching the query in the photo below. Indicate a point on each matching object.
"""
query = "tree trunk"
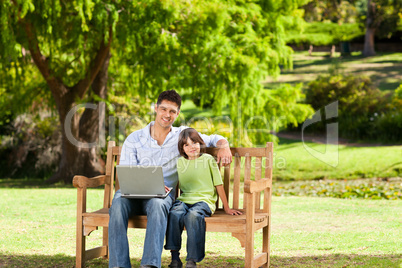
(77, 133)
(80, 151)
(368, 49)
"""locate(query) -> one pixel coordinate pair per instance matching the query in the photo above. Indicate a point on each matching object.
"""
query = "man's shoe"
(176, 264)
(191, 264)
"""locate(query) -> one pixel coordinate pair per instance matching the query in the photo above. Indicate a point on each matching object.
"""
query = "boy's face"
(192, 149)
(166, 113)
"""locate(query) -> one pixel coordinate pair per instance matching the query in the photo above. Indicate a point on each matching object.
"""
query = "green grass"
(37, 227)
(385, 69)
(294, 162)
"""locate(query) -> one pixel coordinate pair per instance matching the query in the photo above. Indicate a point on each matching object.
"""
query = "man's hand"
(224, 155)
(167, 189)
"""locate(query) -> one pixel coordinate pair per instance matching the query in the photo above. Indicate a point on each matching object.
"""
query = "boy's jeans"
(156, 209)
(193, 218)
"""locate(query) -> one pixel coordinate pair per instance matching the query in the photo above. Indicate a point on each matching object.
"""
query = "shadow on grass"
(338, 260)
(380, 71)
(30, 183)
(330, 260)
(384, 76)
(319, 62)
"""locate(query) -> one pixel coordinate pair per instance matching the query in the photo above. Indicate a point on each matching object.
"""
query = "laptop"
(141, 182)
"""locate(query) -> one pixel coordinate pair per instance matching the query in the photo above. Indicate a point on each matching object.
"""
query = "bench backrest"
(248, 164)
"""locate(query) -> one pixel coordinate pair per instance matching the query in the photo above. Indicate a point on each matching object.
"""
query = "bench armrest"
(84, 182)
(256, 186)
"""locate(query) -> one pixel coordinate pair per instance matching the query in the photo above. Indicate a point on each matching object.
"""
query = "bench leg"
(80, 248)
(106, 241)
(265, 244)
(249, 255)
(249, 261)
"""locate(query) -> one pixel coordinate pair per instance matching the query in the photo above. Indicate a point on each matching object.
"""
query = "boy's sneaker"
(176, 264)
(191, 264)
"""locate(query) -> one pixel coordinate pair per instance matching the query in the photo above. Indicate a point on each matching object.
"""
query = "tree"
(218, 50)
(72, 60)
(336, 11)
(382, 18)
(329, 22)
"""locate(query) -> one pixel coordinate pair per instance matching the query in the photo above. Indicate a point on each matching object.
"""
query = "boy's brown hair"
(194, 136)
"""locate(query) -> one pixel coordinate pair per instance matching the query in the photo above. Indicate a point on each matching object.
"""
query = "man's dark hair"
(194, 136)
(170, 95)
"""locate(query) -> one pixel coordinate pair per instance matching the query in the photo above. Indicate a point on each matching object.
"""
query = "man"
(156, 145)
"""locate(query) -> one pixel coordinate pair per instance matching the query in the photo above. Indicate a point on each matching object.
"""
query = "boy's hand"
(232, 212)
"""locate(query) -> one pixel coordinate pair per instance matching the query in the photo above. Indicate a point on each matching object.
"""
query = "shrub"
(389, 124)
(33, 147)
(397, 100)
(356, 94)
(365, 189)
(324, 33)
(364, 112)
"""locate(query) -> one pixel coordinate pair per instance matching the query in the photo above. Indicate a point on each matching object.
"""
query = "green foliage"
(32, 147)
(63, 32)
(364, 111)
(382, 15)
(324, 33)
(278, 108)
(366, 189)
(397, 99)
(391, 121)
(389, 126)
(356, 94)
(216, 51)
(334, 11)
(22, 90)
(275, 110)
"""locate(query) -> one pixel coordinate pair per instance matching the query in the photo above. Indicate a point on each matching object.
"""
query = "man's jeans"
(156, 209)
(193, 218)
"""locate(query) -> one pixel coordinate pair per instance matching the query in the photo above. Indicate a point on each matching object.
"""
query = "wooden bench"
(256, 205)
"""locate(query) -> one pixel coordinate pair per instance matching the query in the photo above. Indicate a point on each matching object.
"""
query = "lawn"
(37, 227)
(385, 69)
(294, 162)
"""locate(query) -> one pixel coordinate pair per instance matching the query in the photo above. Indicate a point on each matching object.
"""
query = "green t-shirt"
(197, 180)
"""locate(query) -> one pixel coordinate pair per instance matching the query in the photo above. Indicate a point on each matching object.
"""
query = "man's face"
(166, 113)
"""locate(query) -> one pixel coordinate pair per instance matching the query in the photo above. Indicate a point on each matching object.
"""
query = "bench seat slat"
(219, 222)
